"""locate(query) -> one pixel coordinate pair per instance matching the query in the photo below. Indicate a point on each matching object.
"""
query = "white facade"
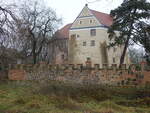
(88, 39)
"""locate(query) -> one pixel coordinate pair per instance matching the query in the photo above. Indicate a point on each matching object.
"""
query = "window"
(73, 36)
(62, 57)
(80, 22)
(92, 42)
(91, 21)
(78, 36)
(88, 58)
(84, 43)
(93, 32)
(114, 60)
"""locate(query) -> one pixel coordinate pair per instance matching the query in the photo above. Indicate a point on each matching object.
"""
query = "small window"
(91, 21)
(93, 32)
(80, 22)
(62, 57)
(92, 42)
(78, 36)
(114, 60)
(84, 43)
(88, 58)
(73, 36)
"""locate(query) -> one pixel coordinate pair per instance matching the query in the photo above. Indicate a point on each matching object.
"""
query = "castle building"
(87, 39)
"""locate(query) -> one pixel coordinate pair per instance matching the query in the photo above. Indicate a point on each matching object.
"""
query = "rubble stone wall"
(81, 74)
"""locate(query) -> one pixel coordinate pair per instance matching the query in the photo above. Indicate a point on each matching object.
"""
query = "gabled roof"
(103, 18)
(63, 32)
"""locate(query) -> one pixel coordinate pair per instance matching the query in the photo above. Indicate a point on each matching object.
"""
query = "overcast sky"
(68, 10)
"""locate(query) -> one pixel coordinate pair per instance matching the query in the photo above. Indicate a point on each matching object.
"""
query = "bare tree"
(6, 17)
(6, 21)
(35, 26)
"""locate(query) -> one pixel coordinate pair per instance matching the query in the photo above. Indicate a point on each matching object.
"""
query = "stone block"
(132, 68)
(16, 74)
(62, 66)
(123, 66)
(57, 67)
(143, 65)
(49, 66)
(36, 66)
(29, 67)
(96, 66)
(17, 66)
(88, 64)
(66, 66)
(80, 66)
(71, 66)
(114, 66)
(105, 66)
(21, 66)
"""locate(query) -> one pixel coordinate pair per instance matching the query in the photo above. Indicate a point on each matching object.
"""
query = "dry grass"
(57, 97)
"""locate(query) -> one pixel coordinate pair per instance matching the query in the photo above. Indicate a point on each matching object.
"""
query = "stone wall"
(81, 74)
(17, 74)
(3, 75)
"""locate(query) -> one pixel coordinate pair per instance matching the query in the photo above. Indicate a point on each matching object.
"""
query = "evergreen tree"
(143, 35)
(126, 17)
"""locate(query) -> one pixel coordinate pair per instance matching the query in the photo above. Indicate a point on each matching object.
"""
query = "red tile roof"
(103, 18)
(63, 32)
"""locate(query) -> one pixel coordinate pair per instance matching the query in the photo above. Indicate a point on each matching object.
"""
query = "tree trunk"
(34, 52)
(34, 59)
(124, 52)
(126, 43)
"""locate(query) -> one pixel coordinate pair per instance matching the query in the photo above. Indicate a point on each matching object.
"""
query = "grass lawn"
(57, 97)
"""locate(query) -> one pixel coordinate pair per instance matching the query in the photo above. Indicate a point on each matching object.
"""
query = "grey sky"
(69, 9)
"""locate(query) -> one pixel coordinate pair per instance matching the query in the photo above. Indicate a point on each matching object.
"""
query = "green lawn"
(57, 97)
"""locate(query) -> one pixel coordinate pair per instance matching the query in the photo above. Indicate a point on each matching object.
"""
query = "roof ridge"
(99, 11)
